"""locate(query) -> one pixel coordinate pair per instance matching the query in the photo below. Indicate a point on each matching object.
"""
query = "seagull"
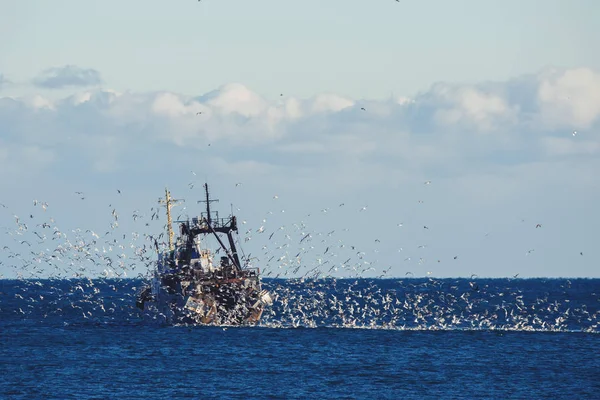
(538, 226)
(427, 182)
(362, 108)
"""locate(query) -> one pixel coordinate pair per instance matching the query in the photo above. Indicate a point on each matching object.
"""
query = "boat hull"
(205, 302)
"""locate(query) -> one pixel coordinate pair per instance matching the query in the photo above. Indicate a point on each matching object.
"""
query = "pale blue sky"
(503, 118)
(353, 47)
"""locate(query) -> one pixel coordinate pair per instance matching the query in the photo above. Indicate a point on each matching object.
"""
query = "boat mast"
(168, 201)
(208, 201)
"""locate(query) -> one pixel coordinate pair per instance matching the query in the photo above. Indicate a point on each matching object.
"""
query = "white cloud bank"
(536, 114)
(494, 150)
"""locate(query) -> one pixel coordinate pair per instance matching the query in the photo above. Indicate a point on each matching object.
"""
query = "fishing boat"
(189, 286)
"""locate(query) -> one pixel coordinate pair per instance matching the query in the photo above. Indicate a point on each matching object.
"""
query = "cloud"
(234, 98)
(67, 76)
(473, 107)
(569, 98)
(450, 127)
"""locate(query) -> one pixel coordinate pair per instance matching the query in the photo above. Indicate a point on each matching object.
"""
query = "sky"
(407, 138)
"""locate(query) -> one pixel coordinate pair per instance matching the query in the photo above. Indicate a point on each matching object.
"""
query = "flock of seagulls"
(38, 249)
(292, 250)
(429, 304)
(404, 304)
(52, 252)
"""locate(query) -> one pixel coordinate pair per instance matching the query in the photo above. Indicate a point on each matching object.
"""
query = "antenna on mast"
(169, 202)
(207, 201)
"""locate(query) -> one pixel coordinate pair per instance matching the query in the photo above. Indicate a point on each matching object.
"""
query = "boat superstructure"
(189, 285)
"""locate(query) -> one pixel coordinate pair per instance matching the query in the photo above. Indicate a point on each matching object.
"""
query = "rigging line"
(227, 252)
(240, 247)
(237, 240)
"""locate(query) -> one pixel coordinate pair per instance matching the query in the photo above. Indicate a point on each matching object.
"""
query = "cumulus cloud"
(471, 106)
(234, 98)
(67, 76)
(447, 127)
(569, 98)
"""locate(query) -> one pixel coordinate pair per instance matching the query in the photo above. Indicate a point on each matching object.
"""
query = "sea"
(416, 338)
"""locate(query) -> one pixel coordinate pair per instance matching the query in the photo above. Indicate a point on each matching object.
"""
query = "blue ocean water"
(347, 338)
